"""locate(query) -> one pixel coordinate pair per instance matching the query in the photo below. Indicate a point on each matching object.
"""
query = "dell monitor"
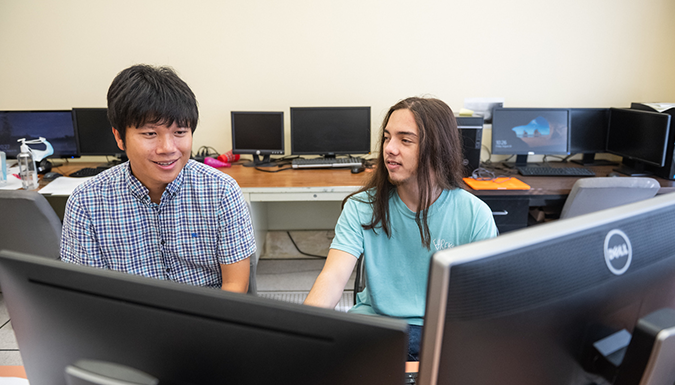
(641, 137)
(258, 134)
(530, 131)
(588, 135)
(536, 306)
(94, 132)
(55, 126)
(330, 131)
(180, 334)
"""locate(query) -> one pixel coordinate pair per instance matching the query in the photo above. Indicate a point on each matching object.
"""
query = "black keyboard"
(410, 378)
(555, 171)
(87, 171)
(327, 162)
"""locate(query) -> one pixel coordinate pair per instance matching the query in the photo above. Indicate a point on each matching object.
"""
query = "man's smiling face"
(157, 153)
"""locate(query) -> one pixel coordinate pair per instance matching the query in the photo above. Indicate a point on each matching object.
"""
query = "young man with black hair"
(160, 214)
(412, 207)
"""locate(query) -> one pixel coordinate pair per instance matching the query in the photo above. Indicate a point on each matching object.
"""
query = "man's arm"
(235, 276)
(330, 284)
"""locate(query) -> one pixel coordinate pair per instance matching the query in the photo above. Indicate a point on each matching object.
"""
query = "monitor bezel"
(580, 146)
(498, 111)
(440, 273)
(665, 117)
(119, 153)
(43, 282)
(330, 153)
(253, 151)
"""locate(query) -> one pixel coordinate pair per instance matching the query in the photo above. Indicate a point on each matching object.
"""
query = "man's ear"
(118, 139)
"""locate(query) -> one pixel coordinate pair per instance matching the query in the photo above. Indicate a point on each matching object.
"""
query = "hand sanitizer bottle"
(3, 168)
(27, 169)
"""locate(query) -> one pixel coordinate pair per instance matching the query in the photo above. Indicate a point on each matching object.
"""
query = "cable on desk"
(302, 252)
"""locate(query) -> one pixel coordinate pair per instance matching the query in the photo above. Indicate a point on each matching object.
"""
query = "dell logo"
(618, 252)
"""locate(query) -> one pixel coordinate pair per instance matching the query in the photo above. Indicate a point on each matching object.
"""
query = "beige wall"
(271, 54)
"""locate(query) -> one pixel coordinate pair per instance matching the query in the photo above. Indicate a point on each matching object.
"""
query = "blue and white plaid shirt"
(202, 221)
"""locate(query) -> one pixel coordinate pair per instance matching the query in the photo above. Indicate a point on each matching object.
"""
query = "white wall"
(271, 55)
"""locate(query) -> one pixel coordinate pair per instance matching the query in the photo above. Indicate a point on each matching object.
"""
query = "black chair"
(29, 224)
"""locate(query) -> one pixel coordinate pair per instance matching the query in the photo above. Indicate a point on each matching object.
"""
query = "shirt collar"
(141, 192)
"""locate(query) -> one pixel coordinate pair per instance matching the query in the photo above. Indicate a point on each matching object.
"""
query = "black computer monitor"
(56, 126)
(258, 134)
(641, 137)
(183, 334)
(588, 134)
(330, 131)
(526, 307)
(94, 133)
(530, 131)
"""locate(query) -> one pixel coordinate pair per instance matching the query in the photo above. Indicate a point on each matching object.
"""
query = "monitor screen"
(529, 131)
(529, 305)
(55, 126)
(638, 135)
(258, 133)
(95, 132)
(330, 131)
(183, 334)
(588, 130)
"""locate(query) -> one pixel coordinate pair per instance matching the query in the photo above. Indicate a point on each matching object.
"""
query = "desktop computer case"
(668, 170)
(471, 131)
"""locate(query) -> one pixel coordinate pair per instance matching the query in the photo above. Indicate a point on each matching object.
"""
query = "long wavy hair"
(439, 164)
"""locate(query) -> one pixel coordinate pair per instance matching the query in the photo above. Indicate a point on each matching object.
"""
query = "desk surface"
(248, 177)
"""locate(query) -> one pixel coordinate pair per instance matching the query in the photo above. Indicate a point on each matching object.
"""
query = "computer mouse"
(356, 170)
(51, 175)
(614, 174)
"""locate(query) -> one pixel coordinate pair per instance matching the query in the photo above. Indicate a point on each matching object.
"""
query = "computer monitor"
(258, 134)
(530, 131)
(94, 133)
(526, 307)
(183, 334)
(588, 134)
(641, 137)
(56, 126)
(330, 131)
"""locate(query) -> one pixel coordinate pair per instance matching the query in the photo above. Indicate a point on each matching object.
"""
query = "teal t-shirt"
(397, 268)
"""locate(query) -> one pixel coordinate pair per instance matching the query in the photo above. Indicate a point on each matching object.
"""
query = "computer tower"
(471, 131)
(668, 170)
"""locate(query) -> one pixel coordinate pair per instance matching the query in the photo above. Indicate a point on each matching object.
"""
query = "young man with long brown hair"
(412, 207)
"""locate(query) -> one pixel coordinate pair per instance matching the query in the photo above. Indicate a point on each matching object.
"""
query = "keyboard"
(327, 162)
(87, 171)
(410, 378)
(555, 171)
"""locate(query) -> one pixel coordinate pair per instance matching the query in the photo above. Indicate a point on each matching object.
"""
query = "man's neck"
(410, 195)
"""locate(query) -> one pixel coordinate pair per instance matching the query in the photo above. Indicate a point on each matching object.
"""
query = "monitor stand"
(589, 160)
(521, 161)
(265, 161)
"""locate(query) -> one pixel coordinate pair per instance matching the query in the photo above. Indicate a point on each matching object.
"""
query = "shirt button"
(168, 269)
(162, 242)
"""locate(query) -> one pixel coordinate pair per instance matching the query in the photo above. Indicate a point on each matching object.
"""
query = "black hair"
(144, 94)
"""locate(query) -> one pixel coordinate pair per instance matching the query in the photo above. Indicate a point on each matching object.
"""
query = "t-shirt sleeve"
(348, 230)
(484, 225)
(236, 237)
(78, 241)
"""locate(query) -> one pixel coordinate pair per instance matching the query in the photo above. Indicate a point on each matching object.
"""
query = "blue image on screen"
(536, 128)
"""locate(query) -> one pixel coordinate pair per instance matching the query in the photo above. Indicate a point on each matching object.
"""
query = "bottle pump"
(27, 158)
